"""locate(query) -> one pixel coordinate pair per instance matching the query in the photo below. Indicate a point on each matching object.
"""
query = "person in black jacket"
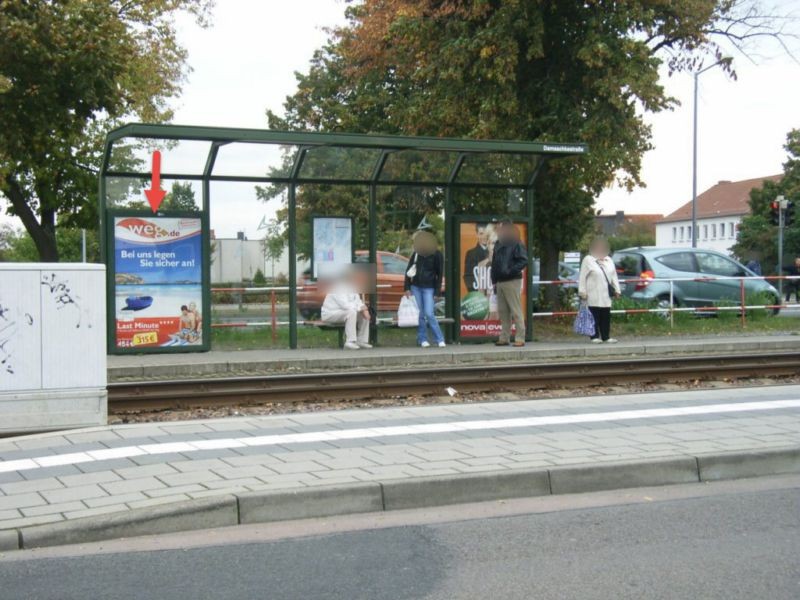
(426, 265)
(508, 262)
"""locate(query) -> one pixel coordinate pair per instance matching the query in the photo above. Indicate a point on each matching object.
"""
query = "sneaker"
(351, 346)
(364, 345)
(425, 345)
(611, 341)
(597, 341)
(442, 345)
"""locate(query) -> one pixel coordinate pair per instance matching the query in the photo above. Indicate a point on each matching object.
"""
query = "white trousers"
(356, 327)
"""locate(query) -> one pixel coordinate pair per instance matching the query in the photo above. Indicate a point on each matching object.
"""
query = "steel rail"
(374, 384)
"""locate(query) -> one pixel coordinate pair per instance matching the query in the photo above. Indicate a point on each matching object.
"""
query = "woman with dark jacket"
(423, 281)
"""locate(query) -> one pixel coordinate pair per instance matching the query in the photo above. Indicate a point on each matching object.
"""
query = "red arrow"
(155, 195)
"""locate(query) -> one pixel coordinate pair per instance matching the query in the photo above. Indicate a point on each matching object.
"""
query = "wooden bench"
(381, 322)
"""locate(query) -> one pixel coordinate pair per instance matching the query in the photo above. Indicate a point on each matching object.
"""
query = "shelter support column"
(373, 257)
(292, 209)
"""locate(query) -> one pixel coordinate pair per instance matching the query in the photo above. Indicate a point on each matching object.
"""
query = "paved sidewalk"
(49, 478)
(217, 363)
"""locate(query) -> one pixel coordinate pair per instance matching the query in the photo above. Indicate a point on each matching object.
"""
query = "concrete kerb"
(325, 501)
(202, 513)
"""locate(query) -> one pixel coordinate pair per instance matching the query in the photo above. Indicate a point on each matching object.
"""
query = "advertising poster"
(158, 281)
(478, 303)
(332, 245)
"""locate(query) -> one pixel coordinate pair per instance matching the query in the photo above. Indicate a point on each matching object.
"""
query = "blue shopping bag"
(584, 321)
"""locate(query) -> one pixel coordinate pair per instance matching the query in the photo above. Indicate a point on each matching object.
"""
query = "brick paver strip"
(431, 451)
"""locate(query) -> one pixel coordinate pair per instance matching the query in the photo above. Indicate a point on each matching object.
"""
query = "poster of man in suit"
(476, 255)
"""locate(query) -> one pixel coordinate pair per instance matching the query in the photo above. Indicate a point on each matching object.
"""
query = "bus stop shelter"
(369, 160)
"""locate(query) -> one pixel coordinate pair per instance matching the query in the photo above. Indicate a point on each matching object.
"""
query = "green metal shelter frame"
(319, 158)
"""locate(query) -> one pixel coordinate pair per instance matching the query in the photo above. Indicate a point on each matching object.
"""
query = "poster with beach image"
(158, 295)
(478, 303)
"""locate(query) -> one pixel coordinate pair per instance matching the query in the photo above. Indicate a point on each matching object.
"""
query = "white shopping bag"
(408, 312)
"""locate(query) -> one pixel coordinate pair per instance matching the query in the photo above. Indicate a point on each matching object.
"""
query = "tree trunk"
(43, 233)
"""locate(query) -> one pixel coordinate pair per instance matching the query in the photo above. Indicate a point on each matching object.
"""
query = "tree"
(180, 197)
(17, 246)
(69, 70)
(547, 70)
(757, 237)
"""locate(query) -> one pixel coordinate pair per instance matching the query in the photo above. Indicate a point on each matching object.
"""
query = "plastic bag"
(584, 321)
(408, 312)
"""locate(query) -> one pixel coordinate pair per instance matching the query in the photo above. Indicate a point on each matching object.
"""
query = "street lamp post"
(697, 74)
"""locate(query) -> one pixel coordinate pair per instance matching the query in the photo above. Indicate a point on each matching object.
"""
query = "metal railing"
(672, 308)
(668, 311)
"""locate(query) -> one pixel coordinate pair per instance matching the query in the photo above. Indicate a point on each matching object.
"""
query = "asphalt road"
(738, 540)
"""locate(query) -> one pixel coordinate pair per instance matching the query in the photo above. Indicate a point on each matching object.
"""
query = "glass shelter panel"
(244, 159)
(418, 166)
(337, 163)
(497, 169)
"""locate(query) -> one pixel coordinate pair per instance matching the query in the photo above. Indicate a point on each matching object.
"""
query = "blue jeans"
(424, 298)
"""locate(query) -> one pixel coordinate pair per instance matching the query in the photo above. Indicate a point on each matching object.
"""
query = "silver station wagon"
(693, 263)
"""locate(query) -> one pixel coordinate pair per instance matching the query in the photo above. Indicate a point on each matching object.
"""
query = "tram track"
(321, 387)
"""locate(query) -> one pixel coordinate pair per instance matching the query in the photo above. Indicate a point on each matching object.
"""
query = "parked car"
(687, 263)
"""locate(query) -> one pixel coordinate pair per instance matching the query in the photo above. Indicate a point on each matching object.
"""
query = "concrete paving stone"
(586, 455)
(49, 509)
(10, 477)
(19, 454)
(115, 499)
(360, 443)
(8, 514)
(156, 501)
(252, 459)
(125, 442)
(45, 472)
(355, 462)
(298, 467)
(168, 438)
(483, 460)
(301, 447)
(40, 443)
(95, 512)
(29, 521)
(389, 471)
(190, 477)
(87, 478)
(306, 455)
(136, 432)
(134, 485)
(208, 454)
(216, 493)
(178, 489)
(438, 465)
(74, 493)
(97, 435)
(36, 485)
(20, 500)
(106, 465)
(221, 484)
(232, 426)
(338, 473)
(185, 466)
(223, 435)
(228, 472)
(147, 471)
(154, 459)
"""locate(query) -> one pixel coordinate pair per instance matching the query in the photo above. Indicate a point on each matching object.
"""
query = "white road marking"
(389, 431)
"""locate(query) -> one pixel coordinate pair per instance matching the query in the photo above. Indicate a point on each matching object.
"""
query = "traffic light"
(788, 216)
(775, 212)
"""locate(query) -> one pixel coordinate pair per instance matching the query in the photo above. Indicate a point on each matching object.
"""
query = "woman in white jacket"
(597, 284)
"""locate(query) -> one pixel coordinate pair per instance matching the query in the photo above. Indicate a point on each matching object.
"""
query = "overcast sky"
(245, 62)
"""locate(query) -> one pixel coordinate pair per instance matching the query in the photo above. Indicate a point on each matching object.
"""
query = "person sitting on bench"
(343, 305)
